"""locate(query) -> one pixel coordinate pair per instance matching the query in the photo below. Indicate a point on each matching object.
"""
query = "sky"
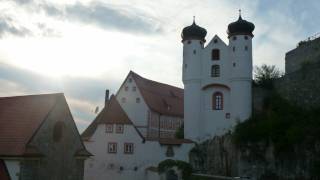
(83, 47)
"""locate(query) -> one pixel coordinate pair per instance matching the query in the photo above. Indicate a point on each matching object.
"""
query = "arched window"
(217, 101)
(58, 131)
(215, 55)
(215, 71)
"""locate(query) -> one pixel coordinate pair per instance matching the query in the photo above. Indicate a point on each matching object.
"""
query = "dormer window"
(215, 71)
(215, 54)
(109, 128)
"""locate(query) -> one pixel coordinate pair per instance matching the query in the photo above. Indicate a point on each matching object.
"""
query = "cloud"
(106, 16)
(7, 26)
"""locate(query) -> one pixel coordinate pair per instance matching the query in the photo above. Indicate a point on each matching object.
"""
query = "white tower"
(193, 38)
(240, 44)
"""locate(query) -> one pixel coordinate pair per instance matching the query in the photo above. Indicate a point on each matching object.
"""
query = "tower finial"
(239, 12)
(194, 19)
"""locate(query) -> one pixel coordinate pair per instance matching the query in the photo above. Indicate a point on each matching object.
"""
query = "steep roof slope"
(162, 98)
(112, 114)
(20, 117)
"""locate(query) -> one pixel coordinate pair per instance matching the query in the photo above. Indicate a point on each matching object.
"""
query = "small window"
(234, 38)
(58, 131)
(189, 42)
(185, 66)
(194, 51)
(227, 115)
(246, 48)
(134, 88)
(234, 64)
(112, 147)
(126, 88)
(215, 41)
(128, 148)
(109, 128)
(170, 152)
(130, 80)
(123, 100)
(137, 100)
(119, 128)
(233, 49)
(215, 71)
(215, 54)
(246, 37)
(217, 101)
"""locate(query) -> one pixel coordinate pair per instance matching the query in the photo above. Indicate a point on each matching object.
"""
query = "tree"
(265, 75)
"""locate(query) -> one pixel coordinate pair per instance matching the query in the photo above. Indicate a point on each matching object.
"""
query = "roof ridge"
(139, 76)
(31, 95)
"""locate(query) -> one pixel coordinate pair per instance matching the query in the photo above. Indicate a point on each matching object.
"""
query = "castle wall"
(306, 52)
(301, 87)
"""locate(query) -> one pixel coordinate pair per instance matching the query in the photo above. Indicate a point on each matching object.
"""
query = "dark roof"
(112, 114)
(20, 117)
(162, 98)
(193, 32)
(4, 174)
(240, 27)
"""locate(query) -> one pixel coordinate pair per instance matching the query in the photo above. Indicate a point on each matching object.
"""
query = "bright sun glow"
(84, 52)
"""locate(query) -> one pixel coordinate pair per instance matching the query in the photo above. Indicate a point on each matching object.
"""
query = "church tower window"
(215, 71)
(217, 101)
(215, 55)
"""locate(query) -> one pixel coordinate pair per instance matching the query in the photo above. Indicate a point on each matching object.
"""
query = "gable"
(20, 117)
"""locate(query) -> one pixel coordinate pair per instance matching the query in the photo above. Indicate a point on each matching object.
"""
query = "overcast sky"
(82, 47)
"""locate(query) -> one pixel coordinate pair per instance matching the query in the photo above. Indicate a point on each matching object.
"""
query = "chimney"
(106, 98)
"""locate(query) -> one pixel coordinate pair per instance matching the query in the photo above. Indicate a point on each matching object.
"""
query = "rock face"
(220, 156)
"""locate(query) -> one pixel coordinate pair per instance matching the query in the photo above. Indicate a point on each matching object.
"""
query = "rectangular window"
(128, 148)
(119, 128)
(215, 54)
(109, 128)
(215, 71)
(112, 147)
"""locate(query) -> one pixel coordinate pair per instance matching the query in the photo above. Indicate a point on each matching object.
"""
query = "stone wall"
(220, 156)
(307, 51)
(301, 87)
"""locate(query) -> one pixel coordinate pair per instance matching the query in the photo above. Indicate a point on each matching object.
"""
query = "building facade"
(217, 79)
(135, 131)
(39, 139)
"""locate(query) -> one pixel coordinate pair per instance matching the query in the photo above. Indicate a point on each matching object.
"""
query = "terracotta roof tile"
(113, 114)
(162, 98)
(20, 117)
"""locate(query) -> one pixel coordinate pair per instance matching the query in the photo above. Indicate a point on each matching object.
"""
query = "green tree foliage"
(185, 167)
(265, 75)
(180, 132)
(285, 124)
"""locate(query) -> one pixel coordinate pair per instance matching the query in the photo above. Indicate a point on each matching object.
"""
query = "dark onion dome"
(194, 32)
(240, 27)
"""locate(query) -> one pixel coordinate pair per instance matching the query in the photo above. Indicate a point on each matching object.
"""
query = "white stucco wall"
(13, 167)
(137, 112)
(145, 155)
(234, 82)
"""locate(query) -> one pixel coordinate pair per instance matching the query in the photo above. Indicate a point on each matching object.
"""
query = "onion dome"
(194, 32)
(240, 27)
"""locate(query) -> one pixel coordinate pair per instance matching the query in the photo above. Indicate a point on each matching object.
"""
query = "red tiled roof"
(162, 98)
(113, 114)
(20, 118)
(4, 174)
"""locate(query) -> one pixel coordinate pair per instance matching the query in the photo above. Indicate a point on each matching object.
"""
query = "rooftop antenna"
(194, 19)
(239, 12)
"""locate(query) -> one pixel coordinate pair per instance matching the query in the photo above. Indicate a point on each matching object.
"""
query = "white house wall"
(137, 112)
(104, 165)
(13, 167)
